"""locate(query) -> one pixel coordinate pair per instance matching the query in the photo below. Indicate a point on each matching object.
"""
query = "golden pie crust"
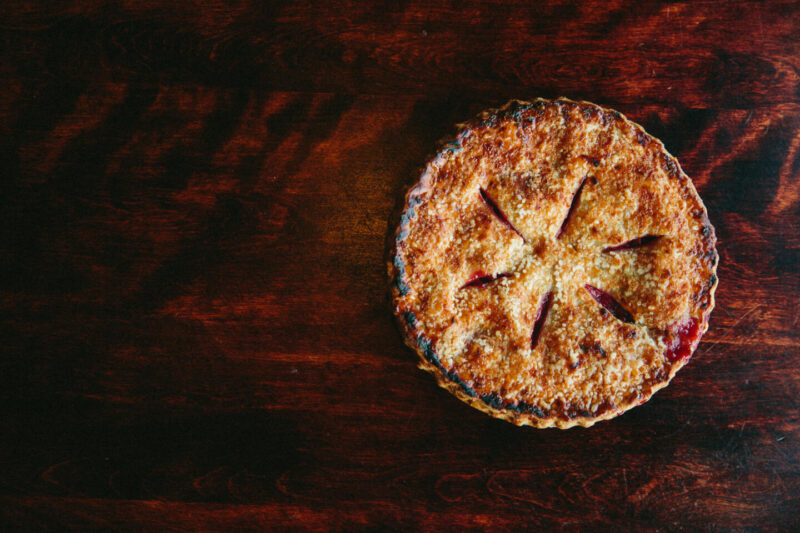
(553, 265)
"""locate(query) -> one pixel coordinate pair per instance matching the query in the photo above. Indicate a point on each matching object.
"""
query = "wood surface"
(196, 329)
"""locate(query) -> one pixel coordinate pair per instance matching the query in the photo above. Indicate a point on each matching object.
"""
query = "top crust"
(510, 228)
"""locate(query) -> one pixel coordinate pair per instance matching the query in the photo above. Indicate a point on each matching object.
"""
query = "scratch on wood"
(730, 329)
(625, 478)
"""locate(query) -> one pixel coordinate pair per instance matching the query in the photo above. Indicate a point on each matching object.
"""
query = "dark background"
(196, 332)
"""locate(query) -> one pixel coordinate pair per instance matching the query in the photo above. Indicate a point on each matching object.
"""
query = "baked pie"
(553, 265)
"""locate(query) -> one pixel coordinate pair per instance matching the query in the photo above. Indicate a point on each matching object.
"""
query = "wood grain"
(196, 329)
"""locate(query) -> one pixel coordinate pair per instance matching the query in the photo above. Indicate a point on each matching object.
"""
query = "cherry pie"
(553, 266)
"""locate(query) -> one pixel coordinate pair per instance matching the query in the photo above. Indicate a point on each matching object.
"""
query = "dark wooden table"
(196, 332)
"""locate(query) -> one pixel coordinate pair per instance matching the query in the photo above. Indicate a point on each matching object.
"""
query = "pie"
(553, 265)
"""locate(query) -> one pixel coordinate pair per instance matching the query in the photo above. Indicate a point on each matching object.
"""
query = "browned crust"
(449, 380)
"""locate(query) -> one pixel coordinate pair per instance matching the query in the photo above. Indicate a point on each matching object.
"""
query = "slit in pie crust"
(553, 265)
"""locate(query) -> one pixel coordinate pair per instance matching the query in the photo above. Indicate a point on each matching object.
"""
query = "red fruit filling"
(633, 243)
(681, 339)
(489, 201)
(541, 316)
(610, 304)
(575, 198)
(481, 279)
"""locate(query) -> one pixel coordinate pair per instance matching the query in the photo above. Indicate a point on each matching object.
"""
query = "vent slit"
(575, 199)
(633, 243)
(481, 279)
(541, 316)
(489, 201)
(610, 304)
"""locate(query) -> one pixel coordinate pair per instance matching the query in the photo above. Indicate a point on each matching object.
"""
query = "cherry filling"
(681, 338)
(575, 199)
(633, 243)
(482, 279)
(541, 316)
(610, 304)
(489, 201)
